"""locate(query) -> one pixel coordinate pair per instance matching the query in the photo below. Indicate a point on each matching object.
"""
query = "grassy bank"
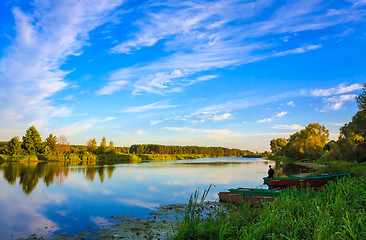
(339, 212)
(105, 158)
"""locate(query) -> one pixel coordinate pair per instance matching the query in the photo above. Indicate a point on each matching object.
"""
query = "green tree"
(307, 143)
(32, 141)
(91, 145)
(353, 134)
(277, 145)
(103, 146)
(14, 146)
(51, 142)
(361, 99)
(111, 148)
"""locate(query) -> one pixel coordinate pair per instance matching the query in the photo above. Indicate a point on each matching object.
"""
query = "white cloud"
(291, 103)
(152, 106)
(281, 114)
(155, 122)
(141, 132)
(201, 36)
(44, 38)
(221, 117)
(61, 112)
(292, 127)
(207, 77)
(341, 89)
(112, 87)
(298, 50)
(81, 126)
(265, 120)
(336, 102)
(223, 132)
(278, 115)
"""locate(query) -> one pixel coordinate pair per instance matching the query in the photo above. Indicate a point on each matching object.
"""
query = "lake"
(52, 198)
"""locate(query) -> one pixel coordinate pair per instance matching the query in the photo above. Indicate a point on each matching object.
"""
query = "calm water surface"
(50, 198)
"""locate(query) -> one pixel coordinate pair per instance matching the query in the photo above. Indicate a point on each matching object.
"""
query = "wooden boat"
(312, 181)
(249, 195)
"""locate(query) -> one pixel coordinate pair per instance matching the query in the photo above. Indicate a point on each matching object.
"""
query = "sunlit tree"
(51, 142)
(14, 146)
(277, 145)
(103, 146)
(307, 143)
(32, 141)
(91, 145)
(353, 134)
(111, 148)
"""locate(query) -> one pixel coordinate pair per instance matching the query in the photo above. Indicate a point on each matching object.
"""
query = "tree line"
(191, 150)
(32, 144)
(313, 142)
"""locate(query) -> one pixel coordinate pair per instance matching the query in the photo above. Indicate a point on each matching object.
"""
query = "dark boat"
(250, 195)
(312, 181)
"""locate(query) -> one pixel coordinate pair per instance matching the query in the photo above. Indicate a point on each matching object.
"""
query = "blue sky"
(210, 73)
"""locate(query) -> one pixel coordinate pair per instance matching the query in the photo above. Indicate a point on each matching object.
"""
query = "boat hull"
(237, 198)
(281, 184)
(313, 181)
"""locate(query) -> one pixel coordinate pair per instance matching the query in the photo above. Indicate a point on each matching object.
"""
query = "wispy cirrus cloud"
(220, 132)
(341, 89)
(291, 103)
(44, 38)
(336, 102)
(201, 36)
(81, 126)
(278, 115)
(334, 98)
(152, 106)
(292, 127)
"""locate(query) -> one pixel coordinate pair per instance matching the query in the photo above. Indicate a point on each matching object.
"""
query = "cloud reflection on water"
(69, 198)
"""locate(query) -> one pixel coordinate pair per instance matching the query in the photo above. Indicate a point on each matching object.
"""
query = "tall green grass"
(339, 212)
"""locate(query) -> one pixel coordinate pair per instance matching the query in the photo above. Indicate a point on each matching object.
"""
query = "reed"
(339, 212)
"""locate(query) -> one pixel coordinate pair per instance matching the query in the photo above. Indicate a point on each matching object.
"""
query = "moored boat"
(312, 181)
(251, 195)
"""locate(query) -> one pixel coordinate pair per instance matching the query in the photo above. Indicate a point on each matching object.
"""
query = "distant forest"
(32, 144)
(191, 150)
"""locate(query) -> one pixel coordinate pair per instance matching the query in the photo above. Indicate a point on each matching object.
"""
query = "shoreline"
(160, 224)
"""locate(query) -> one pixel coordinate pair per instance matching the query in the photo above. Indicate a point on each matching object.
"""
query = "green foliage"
(92, 145)
(14, 146)
(191, 150)
(308, 143)
(103, 146)
(277, 145)
(351, 145)
(336, 213)
(361, 99)
(51, 142)
(111, 149)
(32, 141)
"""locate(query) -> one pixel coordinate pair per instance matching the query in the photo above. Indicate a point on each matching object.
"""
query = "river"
(52, 198)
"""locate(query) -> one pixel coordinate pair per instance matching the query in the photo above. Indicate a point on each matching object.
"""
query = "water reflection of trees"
(29, 175)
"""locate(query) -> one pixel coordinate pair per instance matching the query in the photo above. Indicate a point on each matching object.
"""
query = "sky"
(224, 73)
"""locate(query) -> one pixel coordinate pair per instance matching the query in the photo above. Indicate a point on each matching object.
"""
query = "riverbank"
(336, 213)
(105, 158)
